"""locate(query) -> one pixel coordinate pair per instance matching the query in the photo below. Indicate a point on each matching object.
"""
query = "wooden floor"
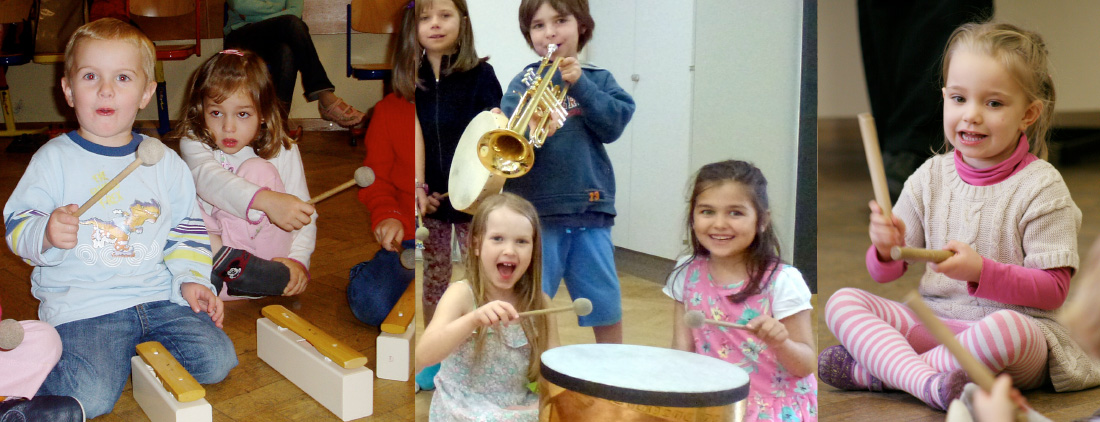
(254, 391)
(844, 189)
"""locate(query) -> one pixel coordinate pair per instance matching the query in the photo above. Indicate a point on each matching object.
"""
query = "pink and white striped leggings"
(889, 343)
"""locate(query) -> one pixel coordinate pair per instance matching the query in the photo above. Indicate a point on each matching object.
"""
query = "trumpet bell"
(505, 153)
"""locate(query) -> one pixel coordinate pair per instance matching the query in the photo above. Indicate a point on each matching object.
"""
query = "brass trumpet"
(505, 151)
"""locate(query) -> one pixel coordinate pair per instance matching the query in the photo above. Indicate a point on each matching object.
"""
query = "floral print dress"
(774, 394)
(483, 392)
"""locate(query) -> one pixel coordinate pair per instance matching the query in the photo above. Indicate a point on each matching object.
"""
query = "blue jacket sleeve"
(607, 107)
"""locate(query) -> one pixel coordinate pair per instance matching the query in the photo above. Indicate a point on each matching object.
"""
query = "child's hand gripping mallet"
(364, 177)
(918, 254)
(149, 152)
(695, 320)
(421, 231)
(11, 334)
(581, 306)
(874, 163)
(979, 373)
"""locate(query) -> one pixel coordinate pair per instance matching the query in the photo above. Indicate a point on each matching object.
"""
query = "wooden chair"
(53, 32)
(158, 10)
(15, 16)
(373, 17)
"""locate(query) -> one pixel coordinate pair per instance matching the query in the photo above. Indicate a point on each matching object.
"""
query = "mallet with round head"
(11, 334)
(581, 306)
(364, 177)
(695, 319)
(149, 152)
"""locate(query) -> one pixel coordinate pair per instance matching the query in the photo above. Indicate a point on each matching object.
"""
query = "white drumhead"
(469, 180)
(645, 375)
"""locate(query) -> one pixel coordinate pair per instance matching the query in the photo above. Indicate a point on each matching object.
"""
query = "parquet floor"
(254, 391)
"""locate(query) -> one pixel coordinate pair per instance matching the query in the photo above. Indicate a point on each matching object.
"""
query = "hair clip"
(411, 4)
(232, 51)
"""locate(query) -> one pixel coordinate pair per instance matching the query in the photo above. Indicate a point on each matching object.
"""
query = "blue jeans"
(375, 286)
(95, 361)
(585, 258)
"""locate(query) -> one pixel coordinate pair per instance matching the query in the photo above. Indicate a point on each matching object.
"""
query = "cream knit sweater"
(1027, 219)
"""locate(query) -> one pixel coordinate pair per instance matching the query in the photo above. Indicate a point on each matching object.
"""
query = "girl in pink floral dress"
(734, 274)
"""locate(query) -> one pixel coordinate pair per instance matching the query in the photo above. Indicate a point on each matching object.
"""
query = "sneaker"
(42, 408)
(834, 366)
(426, 378)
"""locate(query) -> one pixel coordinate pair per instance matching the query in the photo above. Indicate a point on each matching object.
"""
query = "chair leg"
(162, 100)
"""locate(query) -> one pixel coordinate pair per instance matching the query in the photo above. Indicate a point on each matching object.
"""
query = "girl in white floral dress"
(489, 353)
(734, 274)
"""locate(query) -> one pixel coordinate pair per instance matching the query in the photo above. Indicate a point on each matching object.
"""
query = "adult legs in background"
(902, 45)
(285, 44)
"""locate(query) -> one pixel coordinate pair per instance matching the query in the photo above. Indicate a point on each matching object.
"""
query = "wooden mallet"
(364, 177)
(978, 372)
(581, 306)
(695, 319)
(149, 152)
(874, 163)
(918, 254)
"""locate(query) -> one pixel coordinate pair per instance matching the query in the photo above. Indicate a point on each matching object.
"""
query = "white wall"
(28, 82)
(747, 75)
(1068, 27)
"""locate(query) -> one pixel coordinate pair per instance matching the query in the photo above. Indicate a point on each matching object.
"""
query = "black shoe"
(42, 408)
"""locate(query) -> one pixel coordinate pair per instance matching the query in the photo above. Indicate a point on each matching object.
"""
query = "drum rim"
(650, 398)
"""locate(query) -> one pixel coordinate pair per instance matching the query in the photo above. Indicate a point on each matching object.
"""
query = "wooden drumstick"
(581, 306)
(695, 319)
(149, 152)
(978, 372)
(874, 163)
(918, 254)
(364, 176)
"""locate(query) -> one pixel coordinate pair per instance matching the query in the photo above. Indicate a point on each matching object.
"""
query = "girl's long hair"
(762, 256)
(406, 55)
(529, 286)
(223, 75)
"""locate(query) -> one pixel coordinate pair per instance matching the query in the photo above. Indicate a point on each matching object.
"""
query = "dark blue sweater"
(571, 182)
(444, 108)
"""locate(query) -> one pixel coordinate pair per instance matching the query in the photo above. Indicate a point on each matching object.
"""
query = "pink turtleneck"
(1006, 283)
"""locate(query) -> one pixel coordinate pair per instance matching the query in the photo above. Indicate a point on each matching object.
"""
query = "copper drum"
(622, 382)
(470, 182)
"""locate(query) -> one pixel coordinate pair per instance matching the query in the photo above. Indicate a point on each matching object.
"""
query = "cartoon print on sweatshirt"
(120, 227)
